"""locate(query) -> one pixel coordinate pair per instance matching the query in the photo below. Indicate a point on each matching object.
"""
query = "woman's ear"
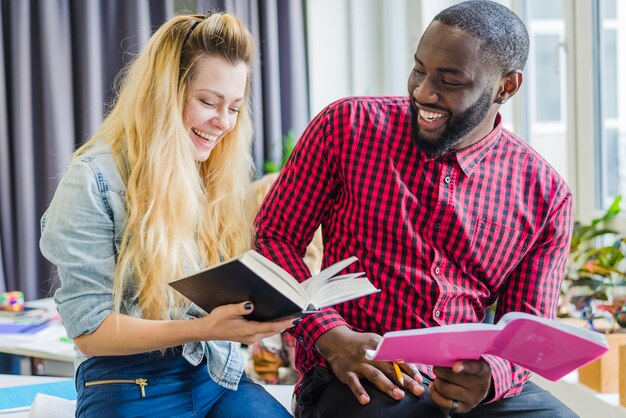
(509, 85)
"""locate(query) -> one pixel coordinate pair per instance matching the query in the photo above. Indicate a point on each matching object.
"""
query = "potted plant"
(595, 281)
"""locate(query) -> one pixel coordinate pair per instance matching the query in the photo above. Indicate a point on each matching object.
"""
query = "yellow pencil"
(396, 368)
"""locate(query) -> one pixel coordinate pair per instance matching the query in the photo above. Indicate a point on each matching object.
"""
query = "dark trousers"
(322, 395)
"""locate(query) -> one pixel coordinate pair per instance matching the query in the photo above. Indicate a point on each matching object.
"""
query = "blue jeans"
(323, 396)
(157, 385)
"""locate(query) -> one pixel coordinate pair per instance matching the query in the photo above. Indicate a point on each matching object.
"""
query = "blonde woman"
(160, 192)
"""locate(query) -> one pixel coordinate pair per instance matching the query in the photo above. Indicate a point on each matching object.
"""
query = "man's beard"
(456, 129)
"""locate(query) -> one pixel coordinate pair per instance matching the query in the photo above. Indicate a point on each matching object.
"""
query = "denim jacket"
(81, 233)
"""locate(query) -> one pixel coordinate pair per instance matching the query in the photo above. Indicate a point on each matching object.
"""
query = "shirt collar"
(469, 157)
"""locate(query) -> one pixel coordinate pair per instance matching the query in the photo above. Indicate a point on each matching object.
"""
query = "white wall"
(360, 47)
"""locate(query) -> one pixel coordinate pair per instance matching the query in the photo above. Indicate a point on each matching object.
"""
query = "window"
(611, 143)
(544, 113)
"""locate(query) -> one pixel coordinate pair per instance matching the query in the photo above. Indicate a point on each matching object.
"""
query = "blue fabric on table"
(21, 396)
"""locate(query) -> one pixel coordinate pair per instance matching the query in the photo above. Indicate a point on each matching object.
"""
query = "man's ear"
(509, 85)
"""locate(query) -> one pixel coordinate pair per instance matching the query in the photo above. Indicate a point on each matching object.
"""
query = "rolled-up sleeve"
(78, 236)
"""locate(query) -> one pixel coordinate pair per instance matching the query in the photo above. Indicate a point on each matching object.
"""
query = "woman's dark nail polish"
(248, 306)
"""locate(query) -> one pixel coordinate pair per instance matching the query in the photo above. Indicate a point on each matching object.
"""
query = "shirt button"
(437, 225)
(301, 339)
(437, 313)
(447, 179)
(436, 270)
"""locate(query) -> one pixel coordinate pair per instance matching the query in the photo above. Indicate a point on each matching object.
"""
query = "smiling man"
(447, 212)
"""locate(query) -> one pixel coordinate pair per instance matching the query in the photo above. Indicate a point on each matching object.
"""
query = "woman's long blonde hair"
(182, 215)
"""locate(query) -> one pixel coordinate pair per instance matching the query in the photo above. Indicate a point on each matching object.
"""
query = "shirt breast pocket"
(495, 250)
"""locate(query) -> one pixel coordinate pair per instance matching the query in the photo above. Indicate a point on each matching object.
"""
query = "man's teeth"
(205, 136)
(431, 115)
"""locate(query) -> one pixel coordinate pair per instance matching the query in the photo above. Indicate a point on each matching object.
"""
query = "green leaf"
(270, 167)
(614, 209)
(610, 213)
(288, 143)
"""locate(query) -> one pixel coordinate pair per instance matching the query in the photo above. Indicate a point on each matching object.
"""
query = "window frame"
(584, 128)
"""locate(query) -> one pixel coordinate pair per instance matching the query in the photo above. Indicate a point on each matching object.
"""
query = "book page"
(322, 290)
(340, 289)
(312, 284)
(280, 279)
(333, 269)
(314, 287)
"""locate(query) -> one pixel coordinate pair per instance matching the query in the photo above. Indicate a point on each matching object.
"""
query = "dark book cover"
(234, 282)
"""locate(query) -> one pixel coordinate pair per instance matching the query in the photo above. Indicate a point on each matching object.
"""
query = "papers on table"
(49, 342)
(52, 343)
(51, 406)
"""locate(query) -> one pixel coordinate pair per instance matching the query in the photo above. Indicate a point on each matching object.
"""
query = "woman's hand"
(228, 322)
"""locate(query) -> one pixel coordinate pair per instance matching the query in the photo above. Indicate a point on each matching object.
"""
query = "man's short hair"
(504, 35)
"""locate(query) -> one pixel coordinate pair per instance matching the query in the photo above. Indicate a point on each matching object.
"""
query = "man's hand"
(345, 350)
(468, 382)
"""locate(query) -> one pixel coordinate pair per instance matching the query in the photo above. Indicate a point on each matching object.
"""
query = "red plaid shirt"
(443, 238)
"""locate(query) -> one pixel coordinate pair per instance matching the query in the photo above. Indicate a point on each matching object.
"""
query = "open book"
(274, 292)
(549, 348)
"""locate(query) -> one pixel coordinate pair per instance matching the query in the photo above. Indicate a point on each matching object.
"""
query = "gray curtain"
(56, 72)
(57, 69)
(280, 88)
